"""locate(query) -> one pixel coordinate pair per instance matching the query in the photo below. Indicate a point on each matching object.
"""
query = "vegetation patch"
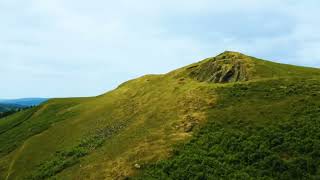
(70, 157)
(263, 130)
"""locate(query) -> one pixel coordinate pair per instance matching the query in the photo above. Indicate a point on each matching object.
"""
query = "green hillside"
(227, 117)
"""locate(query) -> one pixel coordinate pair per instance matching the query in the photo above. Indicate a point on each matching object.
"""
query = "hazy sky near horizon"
(63, 48)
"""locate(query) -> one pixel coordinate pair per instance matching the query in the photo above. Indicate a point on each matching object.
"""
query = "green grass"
(259, 130)
(140, 123)
(67, 158)
(148, 115)
(17, 128)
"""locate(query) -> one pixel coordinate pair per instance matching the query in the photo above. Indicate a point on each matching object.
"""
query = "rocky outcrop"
(226, 67)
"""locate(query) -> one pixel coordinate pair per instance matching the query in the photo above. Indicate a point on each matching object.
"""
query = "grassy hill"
(228, 117)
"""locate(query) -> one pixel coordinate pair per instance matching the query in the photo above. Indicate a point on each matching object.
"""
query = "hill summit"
(226, 67)
(232, 66)
(227, 117)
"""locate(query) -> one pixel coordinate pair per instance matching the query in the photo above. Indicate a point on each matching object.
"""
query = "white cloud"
(60, 45)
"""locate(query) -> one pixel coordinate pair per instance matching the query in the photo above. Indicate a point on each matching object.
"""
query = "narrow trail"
(17, 154)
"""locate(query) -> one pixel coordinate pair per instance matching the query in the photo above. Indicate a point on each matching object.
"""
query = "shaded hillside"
(224, 109)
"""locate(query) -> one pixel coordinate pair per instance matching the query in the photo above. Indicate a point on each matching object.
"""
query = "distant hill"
(9, 107)
(24, 101)
(231, 116)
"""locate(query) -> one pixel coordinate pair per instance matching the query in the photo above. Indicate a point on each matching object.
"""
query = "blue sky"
(63, 48)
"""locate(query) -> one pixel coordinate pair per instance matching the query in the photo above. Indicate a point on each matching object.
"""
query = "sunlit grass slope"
(126, 131)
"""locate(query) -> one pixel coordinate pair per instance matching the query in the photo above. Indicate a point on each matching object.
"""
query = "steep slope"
(109, 134)
(123, 132)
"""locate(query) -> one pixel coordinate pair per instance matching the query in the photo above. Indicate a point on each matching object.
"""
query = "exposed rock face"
(226, 67)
